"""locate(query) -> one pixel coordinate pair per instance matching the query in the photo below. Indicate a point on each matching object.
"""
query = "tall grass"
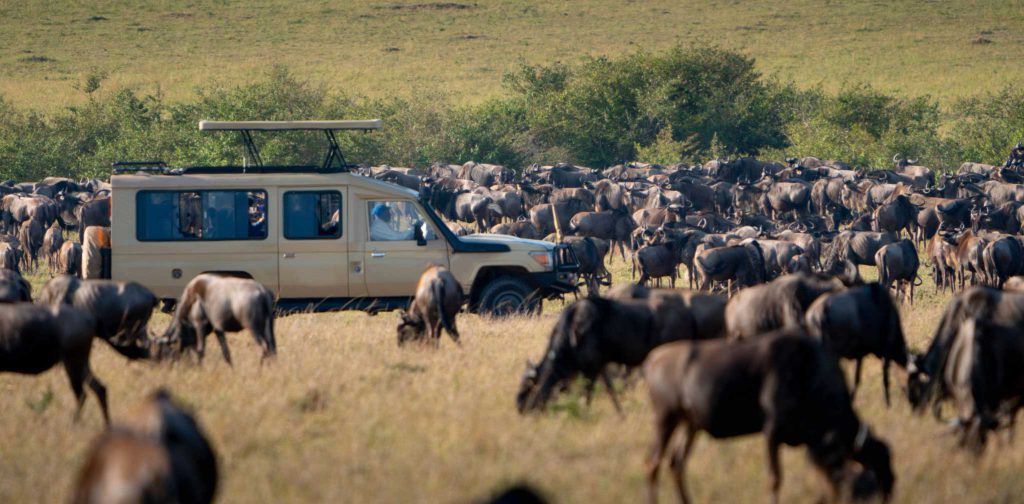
(344, 415)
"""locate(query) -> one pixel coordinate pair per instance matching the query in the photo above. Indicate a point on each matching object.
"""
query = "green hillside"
(946, 49)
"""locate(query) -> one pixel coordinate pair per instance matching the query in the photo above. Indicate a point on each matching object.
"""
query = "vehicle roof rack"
(372, 124)
(139, 166)
(334, 160)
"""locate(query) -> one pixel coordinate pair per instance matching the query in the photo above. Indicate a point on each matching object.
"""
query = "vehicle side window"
(201, 215)
(396, 221)
(312, 215)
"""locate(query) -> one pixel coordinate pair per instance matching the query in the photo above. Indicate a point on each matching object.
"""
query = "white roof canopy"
(370, 124)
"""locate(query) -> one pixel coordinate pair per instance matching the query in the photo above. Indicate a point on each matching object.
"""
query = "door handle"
(288, 255)
(378, 254)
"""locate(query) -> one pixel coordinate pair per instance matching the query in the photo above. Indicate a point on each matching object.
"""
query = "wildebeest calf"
(783, 385)
(35, 338)
(220, 304)
(157, 454)
(437, 302)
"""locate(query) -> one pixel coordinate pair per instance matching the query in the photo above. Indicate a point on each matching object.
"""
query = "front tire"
(505, 296)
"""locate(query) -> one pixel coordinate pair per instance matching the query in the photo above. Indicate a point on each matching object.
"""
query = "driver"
(380, 226)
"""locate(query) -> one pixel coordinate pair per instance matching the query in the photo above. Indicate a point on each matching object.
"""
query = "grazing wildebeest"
(437, 302)
(590, 334)
(774, 305)
(158, 453)
(14, 288)
(985, 376)
(898, 262)
(783, 385)
(739, 265)
(35, 338)
(925, 373)
(217, 303)
(121, 309)
(858, 322)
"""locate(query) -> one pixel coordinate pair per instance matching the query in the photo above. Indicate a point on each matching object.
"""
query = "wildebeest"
(217, 303)
(437, 303)
(895, 216)
(590, 254)
(13, 287)
(858, 247)
(1002, 258)
(35, 338)
(69, 260)
(685, 314)
(774, 305)
(590, 334)
(121, 309)
(30, 235)
(925, 383)
(985, 376)
(783, 385)
(612, 225)
(158, 453)
(739, 265)
(898, 262)
(97, 213)
(52, 241)
(858, 322)
(10, 255)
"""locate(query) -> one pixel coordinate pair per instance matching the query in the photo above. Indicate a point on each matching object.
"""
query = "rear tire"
(506, 296)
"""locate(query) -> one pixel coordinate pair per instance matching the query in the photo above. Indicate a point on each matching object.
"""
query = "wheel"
(506, 296)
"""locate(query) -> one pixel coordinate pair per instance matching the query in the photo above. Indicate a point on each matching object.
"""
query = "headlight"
(543, 258)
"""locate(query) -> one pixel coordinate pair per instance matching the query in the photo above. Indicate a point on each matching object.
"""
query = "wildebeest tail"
(437, 286)
(268, 328)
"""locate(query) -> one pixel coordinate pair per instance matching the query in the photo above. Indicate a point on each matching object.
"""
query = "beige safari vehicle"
(320, 237)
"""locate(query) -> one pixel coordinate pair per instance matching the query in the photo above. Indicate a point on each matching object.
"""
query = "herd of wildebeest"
(773, 250)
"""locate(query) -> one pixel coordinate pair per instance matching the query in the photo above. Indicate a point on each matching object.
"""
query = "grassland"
(343, 415)
(946, 49)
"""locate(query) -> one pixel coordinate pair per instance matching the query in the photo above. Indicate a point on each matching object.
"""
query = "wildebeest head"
(917, 382)
(875, 458)
(526, 385)
(410, 328)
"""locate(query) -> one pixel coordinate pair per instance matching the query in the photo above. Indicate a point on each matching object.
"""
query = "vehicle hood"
(511, 241)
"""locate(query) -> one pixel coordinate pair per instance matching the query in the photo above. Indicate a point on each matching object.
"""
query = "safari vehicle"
(320, 237)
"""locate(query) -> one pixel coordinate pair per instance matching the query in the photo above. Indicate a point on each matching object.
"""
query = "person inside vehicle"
(381, 228)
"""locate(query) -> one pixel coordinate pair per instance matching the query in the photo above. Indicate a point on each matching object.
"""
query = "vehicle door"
(313, 246)
(402, 244)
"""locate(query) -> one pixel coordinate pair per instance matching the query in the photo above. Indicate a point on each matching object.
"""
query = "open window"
(312, 215)
(201, 215)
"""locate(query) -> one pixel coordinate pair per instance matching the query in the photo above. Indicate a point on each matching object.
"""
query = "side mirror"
(420, 233)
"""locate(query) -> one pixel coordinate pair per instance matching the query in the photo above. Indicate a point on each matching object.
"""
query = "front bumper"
(563, 276)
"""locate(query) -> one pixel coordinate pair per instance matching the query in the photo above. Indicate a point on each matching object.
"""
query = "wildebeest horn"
(894, 158)
(702, 223)
(794, 226)
(911, 161)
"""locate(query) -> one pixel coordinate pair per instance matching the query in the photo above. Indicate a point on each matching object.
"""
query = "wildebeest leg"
(856, 379)
(678, 463)
(885, 379)
(223, 345)
(611, 390)
(774, 466)
(665, 425)
(101, 395)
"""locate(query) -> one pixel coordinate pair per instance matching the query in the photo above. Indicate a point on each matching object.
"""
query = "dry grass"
(378, 49)
(343, 415)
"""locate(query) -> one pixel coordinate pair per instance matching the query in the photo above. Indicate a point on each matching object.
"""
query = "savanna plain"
(344, 415)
